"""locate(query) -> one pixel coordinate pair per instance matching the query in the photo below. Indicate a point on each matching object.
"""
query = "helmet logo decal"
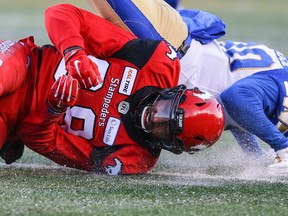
(172, 55)
(199, 147)
(123, 107)
(128, 80)
(111, 131)
(204, 95)
(114, 170)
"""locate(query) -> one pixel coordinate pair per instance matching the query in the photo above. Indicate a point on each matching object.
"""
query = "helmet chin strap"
(172, 147)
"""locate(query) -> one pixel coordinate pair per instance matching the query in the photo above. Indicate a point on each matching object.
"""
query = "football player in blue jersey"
(259, 102)
(250, 79)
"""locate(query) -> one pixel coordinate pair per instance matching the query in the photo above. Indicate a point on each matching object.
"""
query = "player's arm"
(247, 141)
(164, 68)
(69, 26)
(76, 32)
(247, 102)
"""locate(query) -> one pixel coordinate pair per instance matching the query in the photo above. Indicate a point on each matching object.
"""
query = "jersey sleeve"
(165, 66)
(247, 141)
(249, 101)
(69, 26)
(203, 26)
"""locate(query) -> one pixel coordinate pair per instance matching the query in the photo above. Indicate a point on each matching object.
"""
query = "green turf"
(54, 191)
(218, 181)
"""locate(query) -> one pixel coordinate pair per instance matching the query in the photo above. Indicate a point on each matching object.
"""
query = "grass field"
(218, 181)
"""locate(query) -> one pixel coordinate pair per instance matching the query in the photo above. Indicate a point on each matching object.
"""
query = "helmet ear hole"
(199, 138)
(200, 104)
(183, 98)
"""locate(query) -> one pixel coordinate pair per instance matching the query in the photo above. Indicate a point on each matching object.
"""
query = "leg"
(173, 3)
(153, 19)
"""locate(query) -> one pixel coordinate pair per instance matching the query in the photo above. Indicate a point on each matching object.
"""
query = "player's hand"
(82, 68)
(63, 94)
(12, 150)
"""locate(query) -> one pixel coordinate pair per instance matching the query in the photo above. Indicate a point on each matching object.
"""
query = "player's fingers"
(73, 92)
(56, 87)
(91, 78)
(64, 82)
(97, 74)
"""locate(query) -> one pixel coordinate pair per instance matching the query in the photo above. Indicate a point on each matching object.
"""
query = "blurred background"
(263, 21)
(20, 19)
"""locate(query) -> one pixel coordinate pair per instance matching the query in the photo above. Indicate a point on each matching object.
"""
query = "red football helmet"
(180, 119)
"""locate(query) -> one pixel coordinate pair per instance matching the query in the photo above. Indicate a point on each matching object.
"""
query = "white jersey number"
(248, 55)
(80, 121)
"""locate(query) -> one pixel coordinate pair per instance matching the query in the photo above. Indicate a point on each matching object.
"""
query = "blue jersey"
(202, 26)
(259, 102)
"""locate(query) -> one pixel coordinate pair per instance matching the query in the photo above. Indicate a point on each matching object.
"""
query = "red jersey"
(101, 134)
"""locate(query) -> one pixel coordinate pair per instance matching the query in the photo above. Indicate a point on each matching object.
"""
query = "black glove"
(12, 151)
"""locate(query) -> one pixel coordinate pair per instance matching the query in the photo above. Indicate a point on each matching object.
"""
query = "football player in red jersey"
(125, 113)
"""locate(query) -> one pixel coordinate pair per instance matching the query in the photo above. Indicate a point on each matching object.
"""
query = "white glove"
(280, 165)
